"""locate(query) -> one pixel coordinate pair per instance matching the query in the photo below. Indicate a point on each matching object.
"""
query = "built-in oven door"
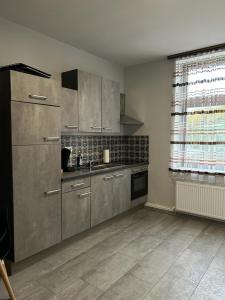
(139, 184)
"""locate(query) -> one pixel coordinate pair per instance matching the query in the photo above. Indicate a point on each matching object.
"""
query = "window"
(198, 115)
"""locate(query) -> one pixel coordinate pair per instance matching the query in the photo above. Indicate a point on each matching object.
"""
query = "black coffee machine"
(65, 158)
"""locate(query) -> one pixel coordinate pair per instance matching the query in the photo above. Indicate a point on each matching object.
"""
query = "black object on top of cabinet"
(20, 67)
(70, 79)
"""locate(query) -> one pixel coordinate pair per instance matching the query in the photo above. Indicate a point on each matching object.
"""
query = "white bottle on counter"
(106, 156)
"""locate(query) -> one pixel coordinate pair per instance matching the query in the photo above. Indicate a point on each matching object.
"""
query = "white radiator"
(200, 199)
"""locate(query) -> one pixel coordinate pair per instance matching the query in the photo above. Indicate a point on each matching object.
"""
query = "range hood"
(125, 119)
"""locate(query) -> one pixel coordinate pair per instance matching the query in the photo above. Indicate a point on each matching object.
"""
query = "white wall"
(148, 90)
(20, 44)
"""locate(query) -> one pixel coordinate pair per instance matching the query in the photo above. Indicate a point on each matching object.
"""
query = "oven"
(139, 182)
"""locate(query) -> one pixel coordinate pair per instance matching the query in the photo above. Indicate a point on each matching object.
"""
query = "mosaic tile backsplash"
(122, 148)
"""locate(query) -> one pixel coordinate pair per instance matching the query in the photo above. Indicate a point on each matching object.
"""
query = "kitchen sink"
(104, 166)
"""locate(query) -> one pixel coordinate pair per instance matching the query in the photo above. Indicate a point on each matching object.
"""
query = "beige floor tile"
(209, 241)
(109, 271)
(219, 259)
(79, 266)
(212, 285)
(79, 290)
(127, 288)
(176, 243)
(57, 281)
(141, 246)
(41, 294)
(190, 265)
(170, 288)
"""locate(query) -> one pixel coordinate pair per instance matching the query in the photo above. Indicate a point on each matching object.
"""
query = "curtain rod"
(196, 51)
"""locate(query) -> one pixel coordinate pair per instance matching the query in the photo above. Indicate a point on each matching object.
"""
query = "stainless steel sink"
(104, 166)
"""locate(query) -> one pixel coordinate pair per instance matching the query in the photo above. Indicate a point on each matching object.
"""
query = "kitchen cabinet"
(36, 198)
(111, 195)
(121, 192)
(34, 123)
(99, 101)
(69, 110)
(101, 198)
(89, 93)
(110, 106)
(89, 98)
(75, 212)
(30, 174)
(34, 89)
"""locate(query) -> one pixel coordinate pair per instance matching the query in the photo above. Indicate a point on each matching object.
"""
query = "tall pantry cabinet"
(30, 190)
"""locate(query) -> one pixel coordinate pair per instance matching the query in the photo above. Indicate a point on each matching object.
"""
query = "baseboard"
(162, 207)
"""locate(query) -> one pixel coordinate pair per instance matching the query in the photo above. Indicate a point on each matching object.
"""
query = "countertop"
(86, 172)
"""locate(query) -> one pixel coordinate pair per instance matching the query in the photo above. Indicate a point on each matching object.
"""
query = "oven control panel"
(139, 169)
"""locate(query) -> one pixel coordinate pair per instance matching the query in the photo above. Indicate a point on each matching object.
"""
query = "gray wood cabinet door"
(121, 192)
(75, 212)
(89, 93)
(110, 106)
(34, 89)
(37, 198)
(34, 124)
(101, 198)
(69, 110)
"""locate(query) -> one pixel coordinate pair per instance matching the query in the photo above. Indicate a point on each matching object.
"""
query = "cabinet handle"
(119, 175)
(95, 127)
(108, 177)
(77, 185)
(107, 128)
(71, 126)
(53, 192)
(38, 97)
(85, 195)
(51, 138)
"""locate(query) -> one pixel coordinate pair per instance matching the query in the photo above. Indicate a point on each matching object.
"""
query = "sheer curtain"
(198, 118)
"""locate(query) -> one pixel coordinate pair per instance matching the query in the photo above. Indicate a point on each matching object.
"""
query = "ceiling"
(124, 31)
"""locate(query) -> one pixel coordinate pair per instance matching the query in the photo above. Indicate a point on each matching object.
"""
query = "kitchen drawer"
(34, 89)
(34, 124)
(76, 184)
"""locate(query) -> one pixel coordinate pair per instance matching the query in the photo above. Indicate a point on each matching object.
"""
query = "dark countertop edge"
(85, 173)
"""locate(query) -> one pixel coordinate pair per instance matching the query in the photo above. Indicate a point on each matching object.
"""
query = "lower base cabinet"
(101, 198)
(104, 197)
(75, 212)
(111, 195)
(121, 192)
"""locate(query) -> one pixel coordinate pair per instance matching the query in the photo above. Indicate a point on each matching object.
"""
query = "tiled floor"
(141, 255)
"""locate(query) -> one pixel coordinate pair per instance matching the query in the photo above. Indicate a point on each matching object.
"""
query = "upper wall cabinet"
(89, 91)
(89, 98)
(98, 101)
(110, 106)
(69, 110)
(34, 89)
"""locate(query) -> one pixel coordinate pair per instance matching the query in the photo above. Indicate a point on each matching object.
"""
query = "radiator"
(201, 199)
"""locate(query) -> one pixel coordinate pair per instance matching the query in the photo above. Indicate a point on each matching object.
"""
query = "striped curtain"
(198, 115)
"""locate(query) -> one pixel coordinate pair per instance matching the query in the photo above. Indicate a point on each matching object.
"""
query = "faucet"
(91, 163)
